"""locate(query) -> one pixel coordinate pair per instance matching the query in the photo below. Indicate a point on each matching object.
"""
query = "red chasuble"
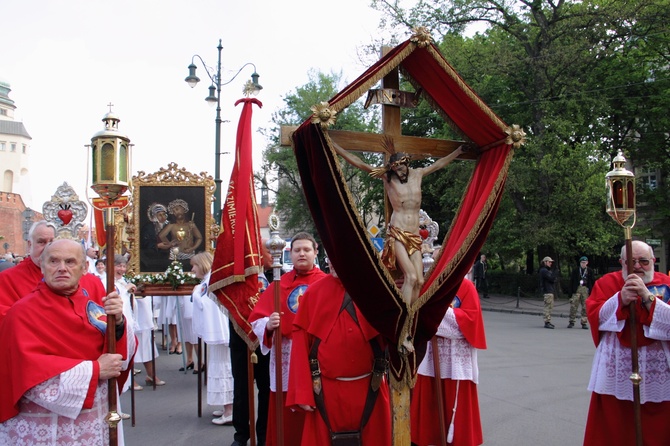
(344, 352)
(45, 334)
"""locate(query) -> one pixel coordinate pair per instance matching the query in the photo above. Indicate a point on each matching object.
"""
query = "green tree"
(570, 72)
(290, 199)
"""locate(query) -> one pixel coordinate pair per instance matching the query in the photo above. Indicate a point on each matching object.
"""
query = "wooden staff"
(438, 390)
(199, 376)
(132, 372)
(279, 395)
(251, 360)
(112, 417)
(635, 376)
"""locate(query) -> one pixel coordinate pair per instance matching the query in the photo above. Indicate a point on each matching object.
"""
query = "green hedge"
(511, 283)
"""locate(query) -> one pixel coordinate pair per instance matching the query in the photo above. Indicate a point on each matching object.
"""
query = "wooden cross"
(417, 147)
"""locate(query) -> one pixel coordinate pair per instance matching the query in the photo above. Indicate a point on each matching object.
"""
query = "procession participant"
(54, 374)
(610, 418)
(210, 323)
(459, 336)
(338, 366)
(239, 355)
(265, 320)
(18, 282)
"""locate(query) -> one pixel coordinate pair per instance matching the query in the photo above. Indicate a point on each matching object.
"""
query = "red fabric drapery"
(237, 260)
(343, 234)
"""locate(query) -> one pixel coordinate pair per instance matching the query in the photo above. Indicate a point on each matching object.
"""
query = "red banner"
(100, 207)
(237, 259)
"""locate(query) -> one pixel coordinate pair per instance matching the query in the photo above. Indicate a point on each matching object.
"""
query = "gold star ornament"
(323, 114)
(515, 136)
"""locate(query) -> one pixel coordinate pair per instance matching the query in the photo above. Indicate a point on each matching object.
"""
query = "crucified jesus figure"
(402, 184)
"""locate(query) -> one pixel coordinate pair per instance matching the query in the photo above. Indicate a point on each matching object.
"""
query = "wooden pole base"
(400, 393)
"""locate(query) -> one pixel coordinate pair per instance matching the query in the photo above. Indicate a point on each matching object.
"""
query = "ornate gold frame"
(174, 180)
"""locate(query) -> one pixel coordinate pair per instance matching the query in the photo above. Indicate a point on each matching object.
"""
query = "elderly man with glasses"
(611, 418)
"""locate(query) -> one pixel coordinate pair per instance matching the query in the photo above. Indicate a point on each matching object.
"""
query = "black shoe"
(237, 443)
(188, 367)
(486, 297)
(571, 324)
(548, 325)
(585, 327)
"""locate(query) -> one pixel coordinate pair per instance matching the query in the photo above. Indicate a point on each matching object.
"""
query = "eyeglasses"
(642, 261)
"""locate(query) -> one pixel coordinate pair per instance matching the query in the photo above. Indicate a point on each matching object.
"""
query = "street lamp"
(214, 97)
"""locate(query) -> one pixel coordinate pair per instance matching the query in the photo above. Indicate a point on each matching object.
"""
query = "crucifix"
(391, 99)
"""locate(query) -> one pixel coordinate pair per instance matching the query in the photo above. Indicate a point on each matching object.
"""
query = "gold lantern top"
(110, 160)
(620, 186)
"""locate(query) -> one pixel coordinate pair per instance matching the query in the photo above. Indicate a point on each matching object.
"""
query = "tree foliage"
(287, 187)
(584, 79)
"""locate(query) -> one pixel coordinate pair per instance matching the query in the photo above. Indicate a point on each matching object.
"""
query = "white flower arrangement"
(174, 276)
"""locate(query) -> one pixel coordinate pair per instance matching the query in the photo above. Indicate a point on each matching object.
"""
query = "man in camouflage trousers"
(581, 282)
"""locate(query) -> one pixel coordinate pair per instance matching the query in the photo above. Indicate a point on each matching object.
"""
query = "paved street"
(532, 386)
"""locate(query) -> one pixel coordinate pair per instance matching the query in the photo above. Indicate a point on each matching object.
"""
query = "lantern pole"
(620, 184)
(110, 156)
(275, 246)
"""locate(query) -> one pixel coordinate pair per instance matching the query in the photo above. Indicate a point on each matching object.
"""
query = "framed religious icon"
(171, 219)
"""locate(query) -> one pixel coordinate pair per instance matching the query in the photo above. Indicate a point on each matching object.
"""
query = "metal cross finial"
(110, 105)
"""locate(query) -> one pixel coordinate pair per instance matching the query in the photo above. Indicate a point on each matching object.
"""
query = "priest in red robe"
(351, 360)
(264, 320)
(21, 280)
(54, 372)
(459, 336)
(611, 416)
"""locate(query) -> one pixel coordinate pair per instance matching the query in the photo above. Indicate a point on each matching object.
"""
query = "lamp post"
(110, 167)
(620, 187)
(214, 97)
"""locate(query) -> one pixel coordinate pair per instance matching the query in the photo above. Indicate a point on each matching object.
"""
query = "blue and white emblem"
(294, 296)
(96, 316)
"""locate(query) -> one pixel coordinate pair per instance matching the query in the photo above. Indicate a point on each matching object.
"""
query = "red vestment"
(292, 287)
(46, 334)
(460, 333)
(610, 419)
(22, 280)
(344, 352)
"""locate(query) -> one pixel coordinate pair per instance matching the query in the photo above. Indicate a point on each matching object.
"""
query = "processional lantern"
(110, 160)
(620, 186)
(110, 165)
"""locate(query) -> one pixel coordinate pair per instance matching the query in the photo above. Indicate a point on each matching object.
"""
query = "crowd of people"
(328, 395)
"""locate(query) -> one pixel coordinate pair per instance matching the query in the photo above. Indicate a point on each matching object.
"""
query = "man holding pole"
(610, 419)
(265, 320)
(54, 374)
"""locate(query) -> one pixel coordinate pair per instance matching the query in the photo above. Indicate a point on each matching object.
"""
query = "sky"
(66, 60)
